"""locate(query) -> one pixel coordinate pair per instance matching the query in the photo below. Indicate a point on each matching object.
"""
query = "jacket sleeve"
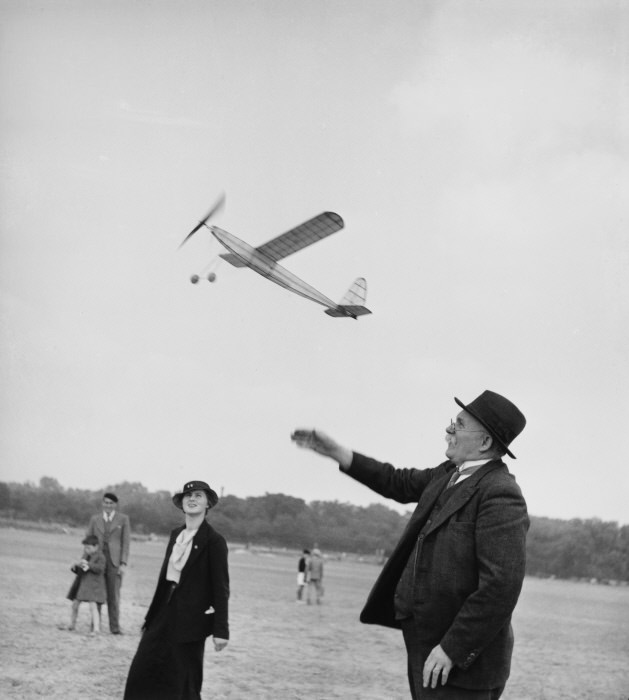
(500, 539)
(97, 564)
(401, 485)
(219, 574)
(125, 538)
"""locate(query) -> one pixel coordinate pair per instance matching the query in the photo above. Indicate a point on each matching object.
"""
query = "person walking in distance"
(453, 580)
(113, 531)
(301, 574)
(315, 576)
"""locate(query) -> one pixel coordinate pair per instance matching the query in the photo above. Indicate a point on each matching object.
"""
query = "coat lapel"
(198, 544)
(429, 498)
(462, 494)
(169, 549)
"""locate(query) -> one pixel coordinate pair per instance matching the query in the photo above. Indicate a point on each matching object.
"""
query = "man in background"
(114, 532)
(314, 574)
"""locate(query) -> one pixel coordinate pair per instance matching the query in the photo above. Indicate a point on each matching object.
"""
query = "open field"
(572, 640)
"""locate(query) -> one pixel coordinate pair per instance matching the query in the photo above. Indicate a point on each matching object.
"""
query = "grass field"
(572, 640)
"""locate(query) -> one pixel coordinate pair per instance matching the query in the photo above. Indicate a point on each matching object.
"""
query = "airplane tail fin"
(353, 302)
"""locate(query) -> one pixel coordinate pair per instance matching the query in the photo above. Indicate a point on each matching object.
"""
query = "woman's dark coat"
(203, 586)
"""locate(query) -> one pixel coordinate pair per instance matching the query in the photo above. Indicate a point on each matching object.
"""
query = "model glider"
(264, 260)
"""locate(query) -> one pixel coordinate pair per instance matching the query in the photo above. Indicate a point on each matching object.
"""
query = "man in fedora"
(454, 578)
(114, 533)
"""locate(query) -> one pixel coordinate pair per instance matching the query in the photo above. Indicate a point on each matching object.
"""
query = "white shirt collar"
(472, 463)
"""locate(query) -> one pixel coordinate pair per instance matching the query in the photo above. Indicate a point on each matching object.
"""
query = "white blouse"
(180, 554)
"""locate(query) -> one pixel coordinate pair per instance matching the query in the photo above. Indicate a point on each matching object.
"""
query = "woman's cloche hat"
(196, 486)
(503, 420)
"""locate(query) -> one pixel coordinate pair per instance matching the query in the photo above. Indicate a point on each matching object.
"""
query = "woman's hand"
(219, 644)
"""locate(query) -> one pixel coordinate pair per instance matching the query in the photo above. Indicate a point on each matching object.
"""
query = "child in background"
(89, 584)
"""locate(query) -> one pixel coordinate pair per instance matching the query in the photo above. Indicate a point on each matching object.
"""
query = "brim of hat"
(212, 498)
(489, 430)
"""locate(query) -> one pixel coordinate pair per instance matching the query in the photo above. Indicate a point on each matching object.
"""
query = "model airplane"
(263, 260)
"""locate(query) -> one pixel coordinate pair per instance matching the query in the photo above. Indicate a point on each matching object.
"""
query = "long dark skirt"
(162, 669)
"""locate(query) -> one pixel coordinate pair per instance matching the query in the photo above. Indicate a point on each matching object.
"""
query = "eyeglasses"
(454, 429)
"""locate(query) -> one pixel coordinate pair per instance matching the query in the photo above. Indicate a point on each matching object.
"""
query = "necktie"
(453, 478)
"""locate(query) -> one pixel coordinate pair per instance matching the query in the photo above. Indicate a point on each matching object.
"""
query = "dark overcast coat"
(470, 563)
(204, 584)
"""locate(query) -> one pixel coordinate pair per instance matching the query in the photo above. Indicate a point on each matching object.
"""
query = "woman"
(190, 604)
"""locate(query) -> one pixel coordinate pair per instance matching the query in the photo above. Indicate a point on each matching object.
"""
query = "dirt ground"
(572, 640)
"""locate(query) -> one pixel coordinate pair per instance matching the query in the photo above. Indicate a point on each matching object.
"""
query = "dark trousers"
(112, 586)
(163, 669)
(417, 655)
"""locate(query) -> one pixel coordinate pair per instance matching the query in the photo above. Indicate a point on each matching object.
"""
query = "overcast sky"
(478, 154)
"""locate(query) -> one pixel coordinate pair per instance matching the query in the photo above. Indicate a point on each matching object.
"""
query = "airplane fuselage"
(269, 268)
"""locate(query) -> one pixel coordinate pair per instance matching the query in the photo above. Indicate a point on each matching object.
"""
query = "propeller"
(220, 202)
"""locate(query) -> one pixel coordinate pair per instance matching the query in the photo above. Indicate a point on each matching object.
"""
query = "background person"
(315, 576)
(301, 574)
(454, 578)
(89, 584)
(189, 605)
(113, 531)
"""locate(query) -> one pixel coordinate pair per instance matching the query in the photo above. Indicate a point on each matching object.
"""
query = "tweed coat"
(119, 537)
(468, 559)
(203, 586)
(90, 585)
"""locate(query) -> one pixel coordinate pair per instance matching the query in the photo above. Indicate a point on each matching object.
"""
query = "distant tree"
(47, 483)
(5, 496)
(563, 548)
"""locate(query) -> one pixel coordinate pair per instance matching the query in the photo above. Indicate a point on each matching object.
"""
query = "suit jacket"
(119, 535)
(204, 583)
(469, 567)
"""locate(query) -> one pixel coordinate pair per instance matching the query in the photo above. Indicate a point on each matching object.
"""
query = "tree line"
(574, 549)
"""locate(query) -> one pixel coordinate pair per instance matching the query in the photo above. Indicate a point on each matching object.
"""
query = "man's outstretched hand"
(323, 444)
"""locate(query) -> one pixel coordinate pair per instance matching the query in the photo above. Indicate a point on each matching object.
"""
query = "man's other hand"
(437, 664)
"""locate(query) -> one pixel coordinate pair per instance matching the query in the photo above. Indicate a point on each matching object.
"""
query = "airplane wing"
(301, 236)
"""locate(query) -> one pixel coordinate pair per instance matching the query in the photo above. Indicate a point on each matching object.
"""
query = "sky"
(478, 154)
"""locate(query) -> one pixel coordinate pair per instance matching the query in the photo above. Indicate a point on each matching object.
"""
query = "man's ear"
(487, 443)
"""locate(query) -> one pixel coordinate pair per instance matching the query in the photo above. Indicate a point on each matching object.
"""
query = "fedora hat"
(502, 419)
(196, 486)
